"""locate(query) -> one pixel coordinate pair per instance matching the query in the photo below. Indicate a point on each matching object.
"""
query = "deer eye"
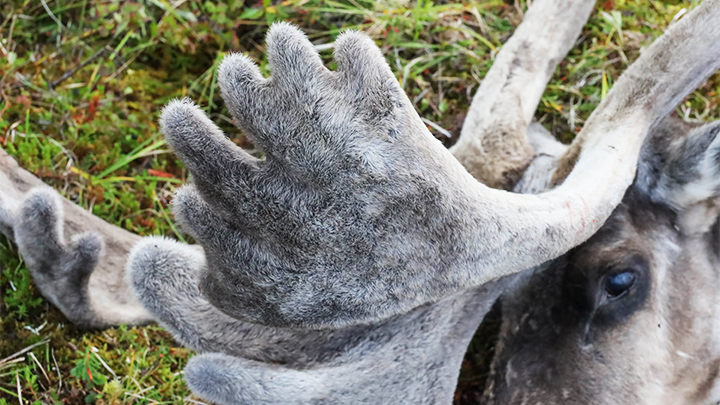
(617, 284)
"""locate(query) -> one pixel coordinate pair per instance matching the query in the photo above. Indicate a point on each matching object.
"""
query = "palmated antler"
(84, 277)
(329, 230)
(360, 364)
(356, 364)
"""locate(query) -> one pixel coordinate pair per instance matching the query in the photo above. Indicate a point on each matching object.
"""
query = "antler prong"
(493, 145)
(82, 277)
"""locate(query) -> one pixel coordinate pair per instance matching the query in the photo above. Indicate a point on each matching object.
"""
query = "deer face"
(631, 315)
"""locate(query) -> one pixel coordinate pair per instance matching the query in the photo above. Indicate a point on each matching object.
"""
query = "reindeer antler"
(326, 230)
(84, 278)
(359, 373)
(493, 145)
(329, 229)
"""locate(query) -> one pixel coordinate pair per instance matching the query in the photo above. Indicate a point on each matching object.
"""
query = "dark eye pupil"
(618, 283)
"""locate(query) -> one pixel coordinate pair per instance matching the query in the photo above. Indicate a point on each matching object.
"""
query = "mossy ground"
(81, 86)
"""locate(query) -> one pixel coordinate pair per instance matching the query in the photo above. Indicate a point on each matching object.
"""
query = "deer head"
(360, 249)
(630, 315)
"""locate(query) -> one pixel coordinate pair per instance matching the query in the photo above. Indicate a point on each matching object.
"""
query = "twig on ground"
(25, 350)
(57, 369)
(74, 70)
(32, 355)
(50, 13)
(437, 127)
(19, 391)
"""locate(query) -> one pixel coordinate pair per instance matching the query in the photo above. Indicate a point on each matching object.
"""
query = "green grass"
(81, 85)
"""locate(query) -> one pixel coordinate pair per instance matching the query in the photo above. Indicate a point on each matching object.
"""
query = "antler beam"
(680, 60)
(493, 145)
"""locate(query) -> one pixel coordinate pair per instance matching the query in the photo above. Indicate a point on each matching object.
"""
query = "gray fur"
(681, 168)
(326, 200)
(64, 248)
(165, 275)
(329, 231)
(383, 366)
(247, 363)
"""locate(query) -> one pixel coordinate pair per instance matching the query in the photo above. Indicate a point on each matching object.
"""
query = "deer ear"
(680, 164)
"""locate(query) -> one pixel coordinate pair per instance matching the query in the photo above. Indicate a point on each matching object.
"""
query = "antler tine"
(375, 365)
(675, 64)
(83, 277)
(164, 275)
(493, 145)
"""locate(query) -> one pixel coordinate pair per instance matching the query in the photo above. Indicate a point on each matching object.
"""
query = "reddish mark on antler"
(585, 212)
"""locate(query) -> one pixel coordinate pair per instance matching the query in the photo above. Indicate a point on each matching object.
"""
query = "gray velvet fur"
(165, 274)
(243, 363)
(327, 202)
(327, 229)
(64, 249)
